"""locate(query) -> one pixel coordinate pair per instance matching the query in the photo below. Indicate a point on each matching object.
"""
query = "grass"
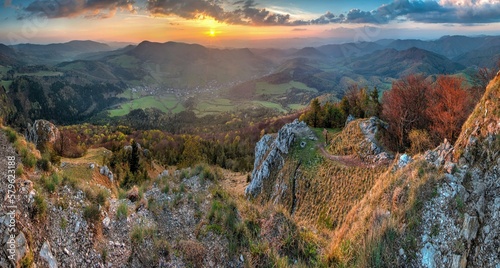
(280, 89)
(271, 105)
(375, 237)
(91, 213)
(122, 211)
(6, 84)
(164, 103)
(297, 106)
(80, 172)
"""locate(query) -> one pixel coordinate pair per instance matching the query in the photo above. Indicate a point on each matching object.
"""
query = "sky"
(243, 23)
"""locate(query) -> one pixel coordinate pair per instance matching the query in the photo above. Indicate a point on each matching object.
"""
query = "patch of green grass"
(272, 105)
(91, 213)
(79, 172)
(280, 89)
(296, 106)
(6, 84)
(122, 211)
(164, 103)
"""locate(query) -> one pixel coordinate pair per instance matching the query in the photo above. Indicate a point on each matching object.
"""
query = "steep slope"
(8, 56)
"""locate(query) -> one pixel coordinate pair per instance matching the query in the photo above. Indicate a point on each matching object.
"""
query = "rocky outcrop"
(270, 153)
(41, 132)
(460, 226)
(359, 139)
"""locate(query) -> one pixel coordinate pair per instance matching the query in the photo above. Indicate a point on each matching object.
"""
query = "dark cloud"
(75, 8)
(248, 12)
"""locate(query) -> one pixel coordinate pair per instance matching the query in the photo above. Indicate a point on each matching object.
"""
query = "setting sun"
(211, 33)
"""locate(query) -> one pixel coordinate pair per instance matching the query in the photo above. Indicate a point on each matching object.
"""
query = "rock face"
(270, 154)
(42, 131)
(460, 226)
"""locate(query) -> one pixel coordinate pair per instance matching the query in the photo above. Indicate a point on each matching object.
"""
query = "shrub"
(122, 211)
(137, 235)
(419, 140)
(43, 164)
(91, 213)
(40, 206)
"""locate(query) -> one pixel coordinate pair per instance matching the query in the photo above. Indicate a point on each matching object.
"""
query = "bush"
(11, 135)
(122, 211)
(43, 164)
(420, 141)
(40, 206)
(137, 235)
(91, 213)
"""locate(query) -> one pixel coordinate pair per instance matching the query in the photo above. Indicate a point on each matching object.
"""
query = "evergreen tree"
(134, 158)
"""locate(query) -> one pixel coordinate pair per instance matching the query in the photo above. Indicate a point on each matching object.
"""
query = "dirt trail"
(346, 160)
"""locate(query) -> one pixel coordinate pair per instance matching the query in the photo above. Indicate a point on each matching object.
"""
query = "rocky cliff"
(464, 215)
(270, 155)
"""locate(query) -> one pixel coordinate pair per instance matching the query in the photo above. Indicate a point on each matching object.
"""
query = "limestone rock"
(42, 131)
(270, 152)
(21, 246)
(470, 227)
(46, 255)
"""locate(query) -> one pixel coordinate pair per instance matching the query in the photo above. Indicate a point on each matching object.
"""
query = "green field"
(271, 89)
(212, 106)
(296, 106)
(166, 104)
(271, 105)
(6, 84)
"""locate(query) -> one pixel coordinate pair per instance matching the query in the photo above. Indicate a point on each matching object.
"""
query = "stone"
(110, 176)
(459, 261)
(104, 170)
(450, 167)
(241, 258)
(270, 153)
(21, 246)
(77, 227)
(349, 119)
(46, 255)
(164, 173)
(42, 131)
(428, 252)
(92, 166)
(404, 160)
(470, 227)
(105, 222)
(66, 251)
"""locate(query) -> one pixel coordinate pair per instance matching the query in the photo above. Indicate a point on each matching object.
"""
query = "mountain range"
(212, 80)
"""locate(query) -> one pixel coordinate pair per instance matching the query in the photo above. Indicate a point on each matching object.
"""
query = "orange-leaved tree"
(404, 108)
(449, 105)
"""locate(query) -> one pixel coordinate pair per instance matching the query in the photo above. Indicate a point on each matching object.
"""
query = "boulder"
(21, 246)
(41, 132)
(46, 255)
(404, 160)
(470, 227)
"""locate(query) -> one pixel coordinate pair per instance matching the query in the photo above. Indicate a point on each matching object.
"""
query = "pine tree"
(134, 158)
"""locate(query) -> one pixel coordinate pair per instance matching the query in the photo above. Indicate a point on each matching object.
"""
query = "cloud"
(299, 29)
(248, 12)
(75, 8)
